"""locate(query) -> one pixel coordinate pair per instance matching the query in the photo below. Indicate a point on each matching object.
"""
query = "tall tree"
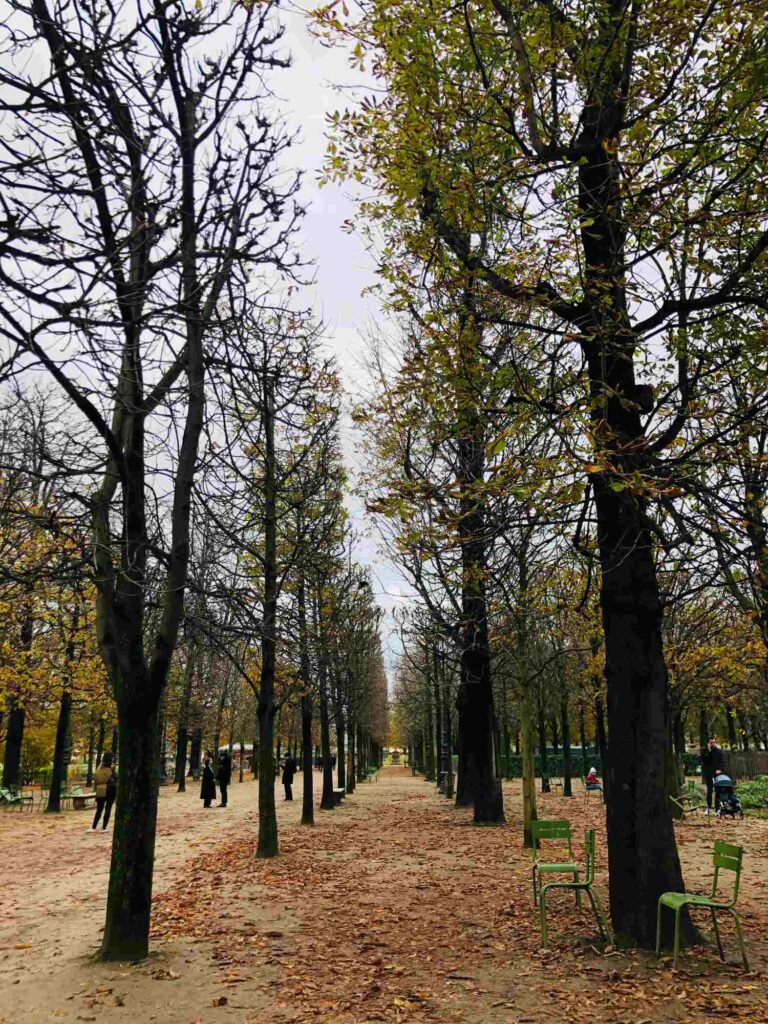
(154, 171)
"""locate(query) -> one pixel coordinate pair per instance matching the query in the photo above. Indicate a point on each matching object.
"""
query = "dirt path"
(394, 908)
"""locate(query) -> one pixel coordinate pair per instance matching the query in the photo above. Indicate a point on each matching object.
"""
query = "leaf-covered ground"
(393, 908)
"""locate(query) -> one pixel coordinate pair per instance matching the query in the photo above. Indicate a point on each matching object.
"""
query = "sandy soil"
(393, 908)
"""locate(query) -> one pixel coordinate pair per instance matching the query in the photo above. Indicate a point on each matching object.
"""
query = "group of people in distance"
(223, 776)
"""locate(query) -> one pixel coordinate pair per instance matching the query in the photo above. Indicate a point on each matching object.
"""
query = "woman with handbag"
(106, 791)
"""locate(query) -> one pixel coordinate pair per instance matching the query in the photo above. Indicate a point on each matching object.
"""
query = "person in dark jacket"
(712, 761)
(208, 786)
(224, 776)
(105, 781)
(289, 770)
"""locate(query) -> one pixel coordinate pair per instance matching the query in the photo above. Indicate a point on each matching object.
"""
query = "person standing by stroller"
(106, 791)
(712, 761)
(208, 785)
(289, 770)
(224, 776)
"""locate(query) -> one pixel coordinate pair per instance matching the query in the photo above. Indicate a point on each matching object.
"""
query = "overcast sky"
(344, 269)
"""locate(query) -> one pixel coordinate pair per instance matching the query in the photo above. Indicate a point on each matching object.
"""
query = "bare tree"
(139, 179)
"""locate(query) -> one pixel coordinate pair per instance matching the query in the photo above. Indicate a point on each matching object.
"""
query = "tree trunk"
(429, 745)
(528, 770)
(545, 784)
(326, 800)
(602, 741)
(341, 748)
(555, 736)
(464, 785)
(182, 729)
(703, 729)
(731, 726)
(642, 852)
(566, 727)
(14, 736)
(129, 899)
(195, 752)
(60, 752)
(477, 720)
(308, 797)
(267, 842)
(351, 777)
(438, 721)
(91, 746)
(583, 741)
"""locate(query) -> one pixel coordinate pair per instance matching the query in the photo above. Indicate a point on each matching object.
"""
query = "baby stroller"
(727, 804)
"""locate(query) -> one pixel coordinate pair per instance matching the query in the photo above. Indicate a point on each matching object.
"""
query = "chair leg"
(677, 937)
(658, 929)
(597, 912)
(533, 880)
(577, 891)
(717, 933)
(543, 915)
(740, 937)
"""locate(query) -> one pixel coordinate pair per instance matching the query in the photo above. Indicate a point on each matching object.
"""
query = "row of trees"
(183, 507)
(572, 202)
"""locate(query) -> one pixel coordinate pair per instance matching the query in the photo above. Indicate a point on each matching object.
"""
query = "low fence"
(746, 764)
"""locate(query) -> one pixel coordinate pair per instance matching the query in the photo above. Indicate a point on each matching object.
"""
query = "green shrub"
(754, 794)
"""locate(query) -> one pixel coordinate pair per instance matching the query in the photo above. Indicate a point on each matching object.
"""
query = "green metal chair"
(552, 831)
(690, 800)
(726, 857)
(579, 886)
(10, 799)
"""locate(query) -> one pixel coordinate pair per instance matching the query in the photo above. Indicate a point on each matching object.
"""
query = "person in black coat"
(712, 760)
(224, 776)
(289, 770)
(208, 786)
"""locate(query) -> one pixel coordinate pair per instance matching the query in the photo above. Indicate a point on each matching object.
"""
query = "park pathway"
(393, 908)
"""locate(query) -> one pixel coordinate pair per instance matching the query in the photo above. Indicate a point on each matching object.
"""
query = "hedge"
(512, 766)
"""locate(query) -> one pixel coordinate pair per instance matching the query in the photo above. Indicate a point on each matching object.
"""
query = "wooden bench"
(338, 796)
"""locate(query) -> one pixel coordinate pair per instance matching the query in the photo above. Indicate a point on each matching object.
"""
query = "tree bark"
(129, 900)
(545, 784)
(565, 722)
(91, 746)
(14, 736)
(60, 752)
(464, 784)
(182, 729)
(352, 774)
(341, 748)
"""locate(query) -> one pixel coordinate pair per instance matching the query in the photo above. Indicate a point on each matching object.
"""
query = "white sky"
(309, 91)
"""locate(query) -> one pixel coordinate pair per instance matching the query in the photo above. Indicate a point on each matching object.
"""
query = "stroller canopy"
(723, 780)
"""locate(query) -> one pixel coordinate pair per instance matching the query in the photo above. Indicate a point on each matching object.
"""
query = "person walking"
(106, 790)
(208, 785)
(224, 776)
(712, 761)
(289, 770)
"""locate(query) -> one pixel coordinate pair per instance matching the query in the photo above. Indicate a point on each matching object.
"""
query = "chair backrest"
(727, 857)
(559, 829)
(589, 852)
